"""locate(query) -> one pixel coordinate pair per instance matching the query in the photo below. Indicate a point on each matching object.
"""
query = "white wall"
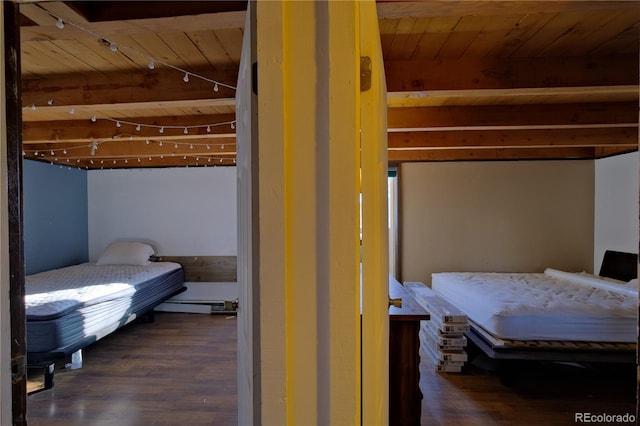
(180, 211)
(616, 206)
(509, 216)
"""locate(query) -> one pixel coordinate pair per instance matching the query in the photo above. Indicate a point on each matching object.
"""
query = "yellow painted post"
(375, 254)
(305, 194)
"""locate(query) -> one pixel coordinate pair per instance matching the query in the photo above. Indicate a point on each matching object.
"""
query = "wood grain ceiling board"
(571, 66)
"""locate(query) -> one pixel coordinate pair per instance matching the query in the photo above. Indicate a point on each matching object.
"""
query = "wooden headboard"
(205, 268)
(619, 265)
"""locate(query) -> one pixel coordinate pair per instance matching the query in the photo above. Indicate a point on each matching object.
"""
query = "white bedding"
(54, 292)
(554, 305)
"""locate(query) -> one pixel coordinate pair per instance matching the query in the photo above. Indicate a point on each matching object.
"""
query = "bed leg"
(49, 372)
(76, 360)
(507, 372)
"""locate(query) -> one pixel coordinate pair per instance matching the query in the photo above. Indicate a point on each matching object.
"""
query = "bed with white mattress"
(71, 307)
(555, 315)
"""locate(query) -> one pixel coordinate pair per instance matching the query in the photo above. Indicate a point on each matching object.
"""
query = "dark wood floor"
(181, 370)
(178, 370)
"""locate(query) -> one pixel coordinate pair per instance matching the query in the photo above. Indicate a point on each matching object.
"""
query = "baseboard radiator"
(201, 307)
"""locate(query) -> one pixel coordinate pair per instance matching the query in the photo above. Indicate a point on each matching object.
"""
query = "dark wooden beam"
(578, 153)
(127, 87)
(539, 138)
(468, 117)
(65, 131)
(437, 8)
(11, 36)
(496, 73)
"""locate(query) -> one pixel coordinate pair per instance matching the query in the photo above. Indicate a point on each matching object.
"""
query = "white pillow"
(126, 253)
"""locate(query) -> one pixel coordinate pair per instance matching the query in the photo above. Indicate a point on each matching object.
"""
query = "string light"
(94, 118)
(186, 77)
(152, 61)
(161, 128)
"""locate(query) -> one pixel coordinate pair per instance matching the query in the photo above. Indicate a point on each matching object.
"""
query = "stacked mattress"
(88, 301)
(553, 305)
(442, 337)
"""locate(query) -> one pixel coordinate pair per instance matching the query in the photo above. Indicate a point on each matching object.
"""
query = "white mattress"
(554, 305)
(55, 292)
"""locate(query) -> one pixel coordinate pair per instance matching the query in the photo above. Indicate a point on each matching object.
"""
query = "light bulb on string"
(222, 147)
(216, 88)
(50, 102)
(160, 143)
(94, 119)
(118, 124)
(138, 127)
(233, 125)
(113, 47)
(152, 65)
(60, 23)
(72, 111)
(33, 107)
(208, 129)
(186, 130)
(161, 129)
(175, 145)
(186, 77)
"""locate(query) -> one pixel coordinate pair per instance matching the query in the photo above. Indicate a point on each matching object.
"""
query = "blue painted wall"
(55, 216)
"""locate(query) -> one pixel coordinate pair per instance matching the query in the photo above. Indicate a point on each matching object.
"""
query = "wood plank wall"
(205, 268)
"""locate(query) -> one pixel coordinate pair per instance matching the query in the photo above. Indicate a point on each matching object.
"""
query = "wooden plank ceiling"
(151, 84)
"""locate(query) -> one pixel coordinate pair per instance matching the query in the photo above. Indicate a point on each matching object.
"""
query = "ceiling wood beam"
(469, 117)
(543, 95)
(150, 86)
(496, 73)
(130, 150)
(108, 29)
(620, 137)
(491, 154)
(438, 8)
(65, 131)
